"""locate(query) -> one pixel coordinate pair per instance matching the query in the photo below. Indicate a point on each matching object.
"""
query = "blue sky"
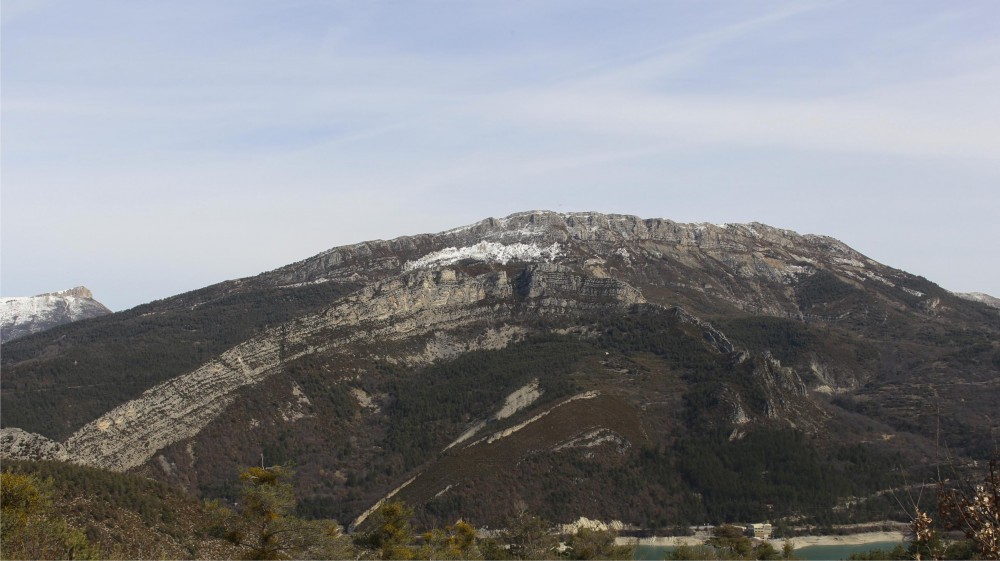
(150, 148)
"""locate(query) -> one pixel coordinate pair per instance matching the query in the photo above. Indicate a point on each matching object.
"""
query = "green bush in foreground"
(29, 527)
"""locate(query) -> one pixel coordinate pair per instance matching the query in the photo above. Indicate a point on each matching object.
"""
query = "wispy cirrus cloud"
(870, 125)
(431, 114)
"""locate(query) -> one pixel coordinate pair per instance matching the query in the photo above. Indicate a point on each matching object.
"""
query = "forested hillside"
(683, 373)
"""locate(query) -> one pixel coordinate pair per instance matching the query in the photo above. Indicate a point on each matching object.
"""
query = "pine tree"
(391, 535)
(267, 528)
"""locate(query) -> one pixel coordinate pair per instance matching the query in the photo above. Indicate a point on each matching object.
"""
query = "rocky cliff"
(409, 306)
(549, 356)
(21, 316)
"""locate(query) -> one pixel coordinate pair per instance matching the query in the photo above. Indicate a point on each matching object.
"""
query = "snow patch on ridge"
(308, 283)
(851, 262)
(503, 226)
(490, 252)
(34, 308)
(979, 297)
(878, 278)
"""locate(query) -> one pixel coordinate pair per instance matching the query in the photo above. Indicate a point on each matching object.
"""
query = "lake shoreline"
(797, 542)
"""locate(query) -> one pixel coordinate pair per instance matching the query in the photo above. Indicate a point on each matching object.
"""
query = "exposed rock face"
(21, 316)
(754, 250)
(541, 345)
(408, 306)
(750, 266)
(17, 444)
(596, 525)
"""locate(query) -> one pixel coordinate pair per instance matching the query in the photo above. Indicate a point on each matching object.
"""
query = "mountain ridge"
(547, 225)
(387, 352)
(980, 297)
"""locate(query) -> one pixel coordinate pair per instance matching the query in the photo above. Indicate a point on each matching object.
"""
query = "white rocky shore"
(797, 542)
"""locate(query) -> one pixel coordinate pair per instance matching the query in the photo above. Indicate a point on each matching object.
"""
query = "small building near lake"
(762, 531)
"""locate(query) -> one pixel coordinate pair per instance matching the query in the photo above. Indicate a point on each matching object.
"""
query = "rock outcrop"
(408, 306)
(550, 354)
(17, 444)
(752, 249)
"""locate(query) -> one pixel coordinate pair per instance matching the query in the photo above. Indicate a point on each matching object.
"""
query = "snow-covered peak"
(28, 308)
(489, 252)
(24, 315)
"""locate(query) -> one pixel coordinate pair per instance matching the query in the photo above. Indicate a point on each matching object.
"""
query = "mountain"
(581, 364)
(990, 301)
(21, 316)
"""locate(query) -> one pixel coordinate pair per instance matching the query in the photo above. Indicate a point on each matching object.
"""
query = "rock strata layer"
(410, 305)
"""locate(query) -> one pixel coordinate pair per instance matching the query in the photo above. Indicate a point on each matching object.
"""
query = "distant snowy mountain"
(21, 316)
(991, 301)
